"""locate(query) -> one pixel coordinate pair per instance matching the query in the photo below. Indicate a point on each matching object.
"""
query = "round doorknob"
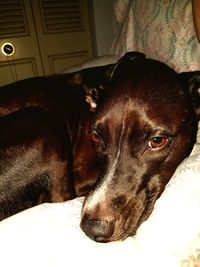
(8, 49)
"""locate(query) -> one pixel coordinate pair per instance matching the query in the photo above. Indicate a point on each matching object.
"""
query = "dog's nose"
(97, 229)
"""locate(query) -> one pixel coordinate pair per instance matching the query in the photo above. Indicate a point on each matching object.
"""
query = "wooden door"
(17, 32)
(39, 37)
(64, 34)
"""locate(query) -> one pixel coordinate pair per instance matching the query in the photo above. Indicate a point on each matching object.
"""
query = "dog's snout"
(98, 229)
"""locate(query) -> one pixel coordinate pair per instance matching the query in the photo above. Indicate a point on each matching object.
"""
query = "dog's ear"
(91, 88)
(95, 82)
(191, 81)
(91, 97)
(75, 79)
(127, 58)
(131, 56)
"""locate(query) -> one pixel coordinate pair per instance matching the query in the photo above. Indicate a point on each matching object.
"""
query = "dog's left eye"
(157, 142)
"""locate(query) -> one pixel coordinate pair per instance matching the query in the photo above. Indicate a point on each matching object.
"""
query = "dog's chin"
(118, 237)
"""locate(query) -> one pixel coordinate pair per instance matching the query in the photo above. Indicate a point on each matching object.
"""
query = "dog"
(70, 96)
(143, 129)
(34, 160)
(126, 127)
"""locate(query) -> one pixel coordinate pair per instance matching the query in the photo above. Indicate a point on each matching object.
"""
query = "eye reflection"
(157, 142)
(95, 138)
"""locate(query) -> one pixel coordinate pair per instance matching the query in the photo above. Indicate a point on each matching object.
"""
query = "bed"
(49, 234)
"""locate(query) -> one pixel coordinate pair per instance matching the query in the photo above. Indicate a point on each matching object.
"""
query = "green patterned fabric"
(162, 29)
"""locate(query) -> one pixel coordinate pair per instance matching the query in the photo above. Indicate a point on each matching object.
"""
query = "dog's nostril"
(98, 230)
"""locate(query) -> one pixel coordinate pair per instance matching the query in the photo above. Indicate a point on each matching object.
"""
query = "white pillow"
(49, 234)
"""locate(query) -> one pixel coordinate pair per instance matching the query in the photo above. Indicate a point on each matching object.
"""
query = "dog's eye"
(157, 142)
(95, 139)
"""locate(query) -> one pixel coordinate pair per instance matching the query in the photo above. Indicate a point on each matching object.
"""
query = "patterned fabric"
(162, 29)
(193, 259)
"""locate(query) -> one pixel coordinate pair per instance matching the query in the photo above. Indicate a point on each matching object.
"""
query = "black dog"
(126, 127)
(70, 96)
(34, 160)
(144, 127)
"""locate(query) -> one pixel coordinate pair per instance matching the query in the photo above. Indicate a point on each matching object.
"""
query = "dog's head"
(143, 128)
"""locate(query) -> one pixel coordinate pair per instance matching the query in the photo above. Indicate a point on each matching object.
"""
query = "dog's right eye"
(95, 139)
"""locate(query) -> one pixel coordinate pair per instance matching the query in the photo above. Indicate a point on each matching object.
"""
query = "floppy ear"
(91, 97)
(191, 81)
(92, 82)
(75, 79)
(95, 81)
(129, 56)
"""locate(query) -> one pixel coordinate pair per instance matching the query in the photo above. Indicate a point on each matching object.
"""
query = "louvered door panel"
(12, 14)
(17, 28)
(61, 16)
(64, 36)
(47, 36)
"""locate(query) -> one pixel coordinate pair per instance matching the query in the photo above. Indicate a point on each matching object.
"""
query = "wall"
(104, 25)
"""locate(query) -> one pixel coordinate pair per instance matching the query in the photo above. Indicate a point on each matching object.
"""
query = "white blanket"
(49, 235)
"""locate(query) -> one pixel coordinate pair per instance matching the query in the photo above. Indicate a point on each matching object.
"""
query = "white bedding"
(49, 235)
